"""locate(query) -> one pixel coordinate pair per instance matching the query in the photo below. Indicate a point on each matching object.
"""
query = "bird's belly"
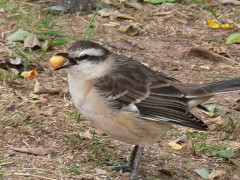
(120, 125)
(123, 126)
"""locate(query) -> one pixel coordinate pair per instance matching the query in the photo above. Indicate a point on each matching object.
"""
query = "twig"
(32, 175)
(6, 163)
(203, 52)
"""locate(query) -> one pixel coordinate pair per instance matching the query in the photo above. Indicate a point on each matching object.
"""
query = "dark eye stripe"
(82, 57)
(90, 58)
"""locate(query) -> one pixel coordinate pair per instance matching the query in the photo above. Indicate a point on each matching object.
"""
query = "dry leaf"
(31, 41)
(126, 16)
(131, 29)
(234, 2)
(174, 145)
(232, 144)
(214, 123)
(215, 174)
(35, 151)
(165, 172)
(101, 171)
(134, 4)
(40, 89)
(182, 139)
(87, 134)
(8, 21)
(205, 53)
(226, 26)
(236, 176)
(213, 24)
(30, 74)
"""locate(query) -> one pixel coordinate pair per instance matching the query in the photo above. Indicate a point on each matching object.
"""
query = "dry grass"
(52, 124)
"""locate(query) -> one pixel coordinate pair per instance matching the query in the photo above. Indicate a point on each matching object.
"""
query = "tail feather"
(224, 86)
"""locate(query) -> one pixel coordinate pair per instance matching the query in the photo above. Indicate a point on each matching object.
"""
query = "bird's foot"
(124, 167)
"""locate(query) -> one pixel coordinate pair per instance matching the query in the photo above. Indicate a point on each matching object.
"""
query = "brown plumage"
(129, 101)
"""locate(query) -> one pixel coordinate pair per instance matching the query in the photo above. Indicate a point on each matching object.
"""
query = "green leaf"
(202, 172)
(212, 109)
(159, 1)
(227, 153)
(19, 35)
(233, 38)
(56, 42)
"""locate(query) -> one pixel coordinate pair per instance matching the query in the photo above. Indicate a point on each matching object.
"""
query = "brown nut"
(57, 61)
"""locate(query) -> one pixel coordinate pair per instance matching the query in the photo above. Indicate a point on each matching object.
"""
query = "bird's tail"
(223, 86)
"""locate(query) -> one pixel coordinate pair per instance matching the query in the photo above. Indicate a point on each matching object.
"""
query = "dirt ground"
(66, 147)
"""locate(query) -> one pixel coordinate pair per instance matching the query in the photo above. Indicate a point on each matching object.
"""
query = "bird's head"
(84, 58)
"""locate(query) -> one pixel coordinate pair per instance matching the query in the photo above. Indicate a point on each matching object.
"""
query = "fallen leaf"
(202, 172)
(182, 139)
(101, 171)
(134, 4)
(8, 21)
(126, 16)
(234, 2)
(205, 67)
(19, 35)
(131, 29)
(104, 13)
(16, 61)
(226, 26)
(87, 134)
(40, 89)
(35, 151)
(34, 96)
(215, 174)
(233, 38)
(30, 74)
(215, 123)
(31, 41)
(166, 172)
(175, 145)
(236, 176)
(232, 144)
(225, 153)
(12, 64)
(213, 24)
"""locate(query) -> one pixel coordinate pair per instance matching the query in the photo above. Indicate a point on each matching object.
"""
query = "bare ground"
(166, 34)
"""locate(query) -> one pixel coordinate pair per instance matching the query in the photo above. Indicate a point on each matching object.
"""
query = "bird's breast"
(121, 125)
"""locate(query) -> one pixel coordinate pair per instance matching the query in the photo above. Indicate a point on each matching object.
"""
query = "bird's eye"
(84, 57)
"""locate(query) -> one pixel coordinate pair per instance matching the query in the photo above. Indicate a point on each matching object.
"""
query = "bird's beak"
(61, 60)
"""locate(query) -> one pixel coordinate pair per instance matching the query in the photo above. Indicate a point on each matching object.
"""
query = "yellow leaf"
(174, 145)
(226, 26)
(213, 24)
(30, 74)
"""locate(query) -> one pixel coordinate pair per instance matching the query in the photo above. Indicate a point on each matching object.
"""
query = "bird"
(129, 101)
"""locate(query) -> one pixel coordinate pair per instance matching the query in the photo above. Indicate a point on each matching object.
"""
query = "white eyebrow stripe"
(90, 52)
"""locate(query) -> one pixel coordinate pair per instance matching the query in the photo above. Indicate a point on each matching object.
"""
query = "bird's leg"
(133, 163)
(129, 165)
(134, 168)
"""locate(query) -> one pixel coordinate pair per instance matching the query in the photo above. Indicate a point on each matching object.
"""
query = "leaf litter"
(164, 39)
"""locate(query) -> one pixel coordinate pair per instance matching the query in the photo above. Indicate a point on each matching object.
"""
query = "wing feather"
(153, 93)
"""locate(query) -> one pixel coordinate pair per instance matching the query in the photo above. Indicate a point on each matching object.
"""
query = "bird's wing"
(151, 93)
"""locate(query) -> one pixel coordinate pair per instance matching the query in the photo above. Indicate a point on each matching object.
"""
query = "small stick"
(203, 52)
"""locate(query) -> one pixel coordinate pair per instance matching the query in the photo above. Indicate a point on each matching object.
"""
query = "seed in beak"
(57, 61)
